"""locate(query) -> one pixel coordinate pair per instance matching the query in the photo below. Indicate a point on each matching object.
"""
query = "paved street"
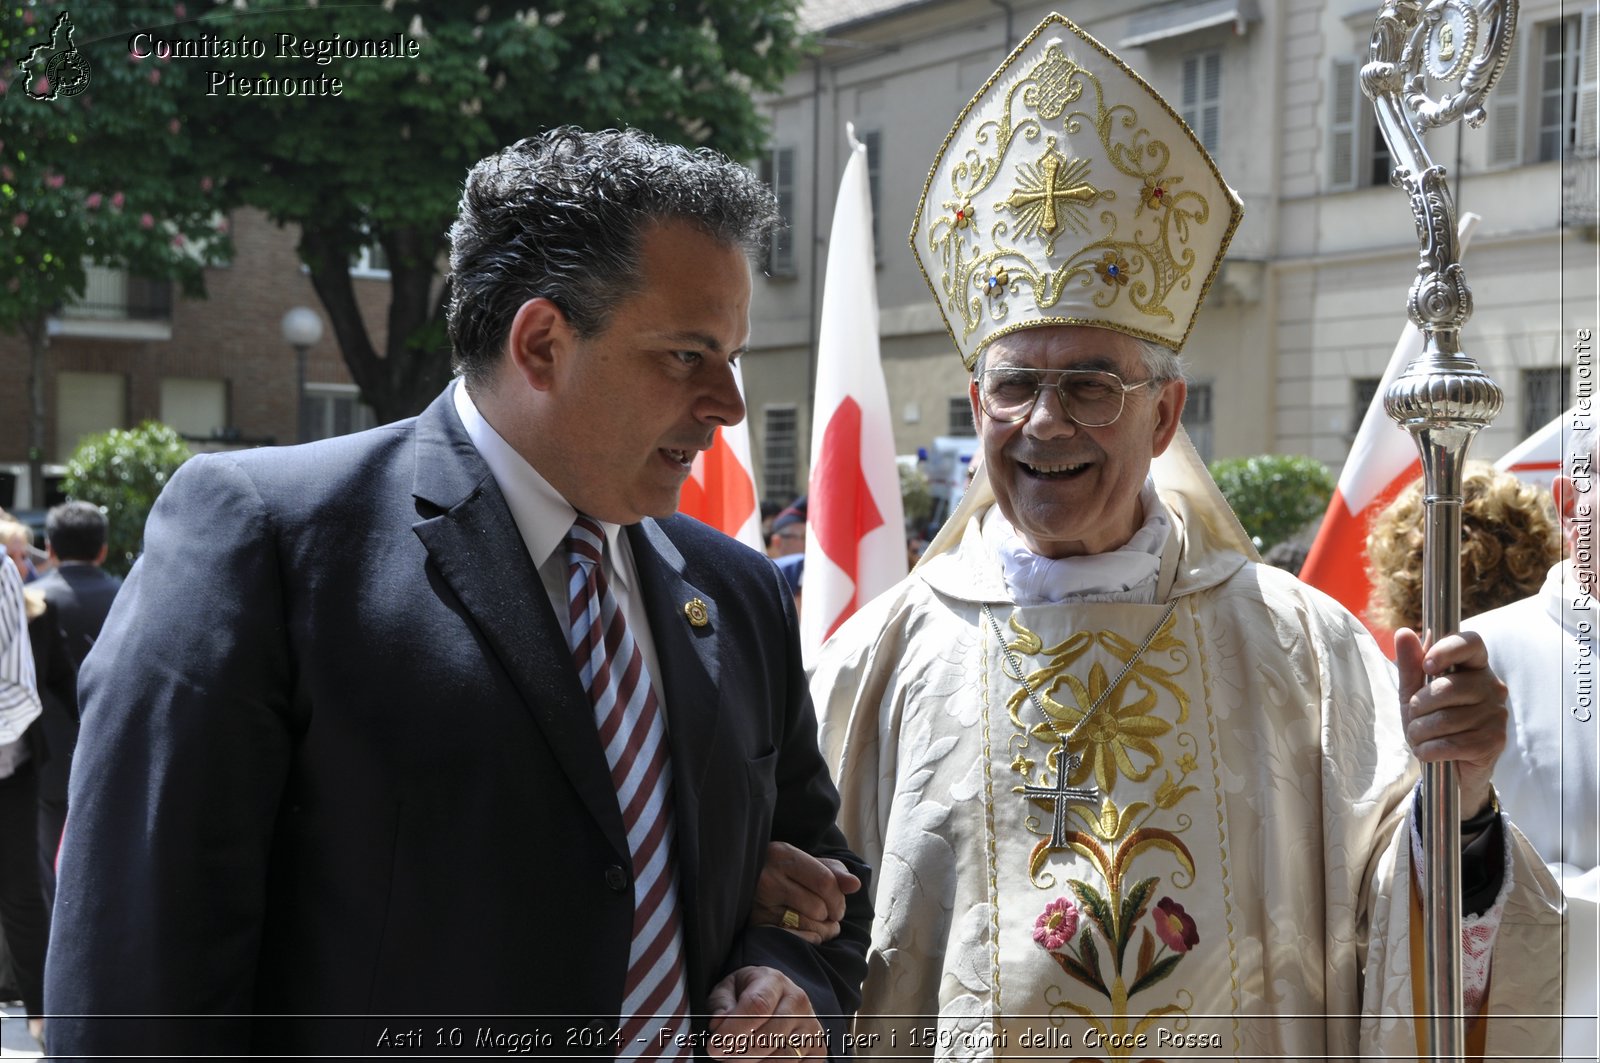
(14, 1040)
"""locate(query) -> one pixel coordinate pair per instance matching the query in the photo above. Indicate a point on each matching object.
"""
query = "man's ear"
(540, 334)
(1169, 414)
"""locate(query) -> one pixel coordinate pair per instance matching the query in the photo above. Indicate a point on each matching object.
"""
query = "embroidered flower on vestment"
(1174, 926)
(1055, 927)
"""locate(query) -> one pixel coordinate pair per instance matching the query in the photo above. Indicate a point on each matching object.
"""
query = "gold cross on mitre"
(1061, 795)
(1044, 185)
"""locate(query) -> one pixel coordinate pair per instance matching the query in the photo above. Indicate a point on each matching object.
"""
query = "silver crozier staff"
(1442, 398)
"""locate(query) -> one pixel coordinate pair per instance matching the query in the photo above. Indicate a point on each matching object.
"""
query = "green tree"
(122, 472)
(1274, 495)
(102, 172)
(383, 162)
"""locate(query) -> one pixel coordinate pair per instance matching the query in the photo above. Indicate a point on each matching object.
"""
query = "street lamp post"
(302, 328)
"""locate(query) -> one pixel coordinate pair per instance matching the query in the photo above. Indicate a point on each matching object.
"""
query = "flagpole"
(1442, 398)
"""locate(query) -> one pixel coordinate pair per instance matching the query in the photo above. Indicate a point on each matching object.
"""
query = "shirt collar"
(541, 514)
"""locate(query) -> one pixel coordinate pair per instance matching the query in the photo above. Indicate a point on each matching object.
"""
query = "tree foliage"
(106, 174)
(1274, 495)
(383, 162)
(123, 471)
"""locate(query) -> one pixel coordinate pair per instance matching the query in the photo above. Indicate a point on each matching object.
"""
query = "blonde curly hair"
(1509, 539)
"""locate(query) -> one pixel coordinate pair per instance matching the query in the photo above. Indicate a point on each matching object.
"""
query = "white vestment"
(1543, 648)
(1238, 889)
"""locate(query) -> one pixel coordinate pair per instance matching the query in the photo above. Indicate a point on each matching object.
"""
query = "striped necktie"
(631, 728)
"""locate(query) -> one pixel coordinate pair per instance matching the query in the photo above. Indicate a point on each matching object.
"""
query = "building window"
(777, 170)
(1545, 395)
(1202, 96)
(370, 261)
(195, 408)
(1197, 418)
(1363, 389)
(116, 295)
(960, 417)
(873, 139)
(1560, 77)
(336, 410)
(87, 403)
(1358, 156)
(781, 447)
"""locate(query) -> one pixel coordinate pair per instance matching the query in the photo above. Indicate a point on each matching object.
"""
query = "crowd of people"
(1092, 780)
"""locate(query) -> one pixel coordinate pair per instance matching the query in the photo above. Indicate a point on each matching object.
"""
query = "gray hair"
(560, 216)
(1159, 363)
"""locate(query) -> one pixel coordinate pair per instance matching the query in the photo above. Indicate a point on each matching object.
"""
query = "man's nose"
(1048, 419)
(722, 404)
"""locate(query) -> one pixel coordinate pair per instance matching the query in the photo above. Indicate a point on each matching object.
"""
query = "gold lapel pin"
(696, 611)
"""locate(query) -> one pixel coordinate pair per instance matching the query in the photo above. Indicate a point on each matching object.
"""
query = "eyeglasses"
(1090, 397)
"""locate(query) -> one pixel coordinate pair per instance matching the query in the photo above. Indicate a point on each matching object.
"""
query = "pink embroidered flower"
(1055, 927)
(1174, 926)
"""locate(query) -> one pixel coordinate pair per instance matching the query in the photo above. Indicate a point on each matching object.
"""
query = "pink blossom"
(179, 11)
(116, 200)
(177, 240)
(1174, 926)
(155, 75)
(206, 184)
(92, 201)
(146, 221)
(54, 180)
(20, 219)
(6, 173)
(27, 18)
(42, 87)
(1056, 925)
(173, 127)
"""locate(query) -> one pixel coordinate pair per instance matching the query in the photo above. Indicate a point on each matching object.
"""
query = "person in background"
(1544, 648)
(80, 593)
(1509, 540)
(22, 914)
(788, 531)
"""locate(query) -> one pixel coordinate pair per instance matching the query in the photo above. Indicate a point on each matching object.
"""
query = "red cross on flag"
(856, 541)
(721, 488)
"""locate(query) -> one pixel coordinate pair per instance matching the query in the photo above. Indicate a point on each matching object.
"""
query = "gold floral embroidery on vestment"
(1119, 933)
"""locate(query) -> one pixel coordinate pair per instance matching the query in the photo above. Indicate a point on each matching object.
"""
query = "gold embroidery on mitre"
(1105, 183)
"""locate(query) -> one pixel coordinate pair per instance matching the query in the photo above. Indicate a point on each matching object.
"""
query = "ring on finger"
(791, 920)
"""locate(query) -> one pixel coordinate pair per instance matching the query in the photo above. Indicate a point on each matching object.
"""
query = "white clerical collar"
(541, 514)
(1128, 574)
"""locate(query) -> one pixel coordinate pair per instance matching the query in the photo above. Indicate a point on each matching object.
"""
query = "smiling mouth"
(1054, 472)
(682, 457)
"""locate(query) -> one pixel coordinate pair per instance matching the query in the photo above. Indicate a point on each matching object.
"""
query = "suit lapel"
(474, 544)
(688, 658)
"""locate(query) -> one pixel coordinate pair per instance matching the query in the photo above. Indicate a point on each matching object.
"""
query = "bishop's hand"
(1453, 707)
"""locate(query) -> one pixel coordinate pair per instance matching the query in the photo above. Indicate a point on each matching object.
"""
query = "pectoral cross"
(1061, 795)
(1049, 190)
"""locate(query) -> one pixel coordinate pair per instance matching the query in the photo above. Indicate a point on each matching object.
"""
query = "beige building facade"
(1302, 322)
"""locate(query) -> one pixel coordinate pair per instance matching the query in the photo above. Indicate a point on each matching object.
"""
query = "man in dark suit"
(81, 593)
(339, 770)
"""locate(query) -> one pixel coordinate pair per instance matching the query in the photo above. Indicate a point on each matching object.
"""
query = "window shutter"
(1344, 91)
(1505, 111)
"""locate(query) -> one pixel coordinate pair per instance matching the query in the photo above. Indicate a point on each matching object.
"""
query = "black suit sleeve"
(806, 817)
(181, 760)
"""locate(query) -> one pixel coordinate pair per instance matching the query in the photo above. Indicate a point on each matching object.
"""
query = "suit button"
(616, 878)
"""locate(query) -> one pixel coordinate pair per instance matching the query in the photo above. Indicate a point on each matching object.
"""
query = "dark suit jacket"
(80, 596)
(336, 760)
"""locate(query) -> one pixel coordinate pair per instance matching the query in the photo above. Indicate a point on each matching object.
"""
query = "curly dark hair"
(561, 216)
(1509, 541)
